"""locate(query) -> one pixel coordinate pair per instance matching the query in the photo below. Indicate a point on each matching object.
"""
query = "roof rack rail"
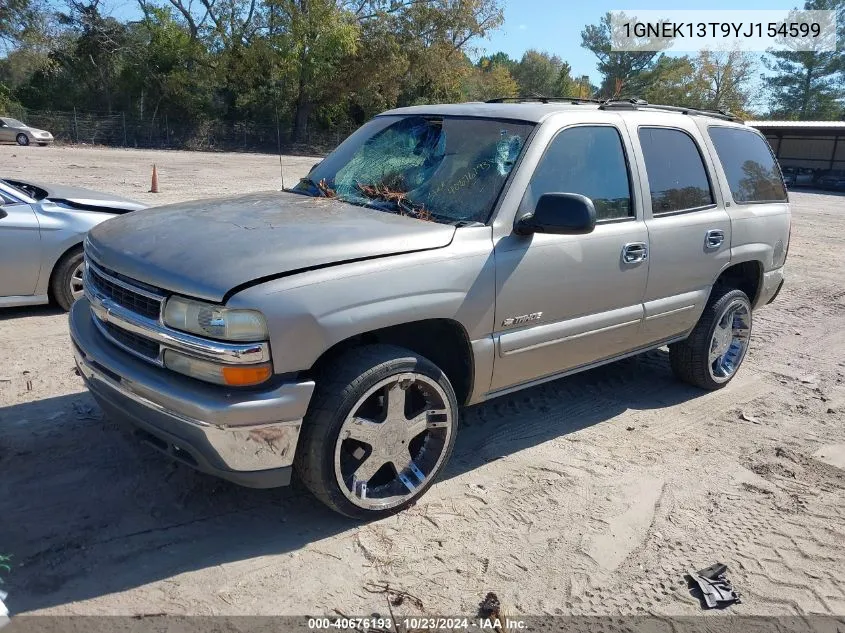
(542, 99)
(642, 104)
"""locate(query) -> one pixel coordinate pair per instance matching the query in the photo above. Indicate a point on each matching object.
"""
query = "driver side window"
(589, 160)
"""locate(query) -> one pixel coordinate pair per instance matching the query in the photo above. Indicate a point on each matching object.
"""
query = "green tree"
(623, 72)
(538, 73)
(724, 80)
(17, 18)
(711, 80)
(491, 81)
(808, 85)
(497, 59)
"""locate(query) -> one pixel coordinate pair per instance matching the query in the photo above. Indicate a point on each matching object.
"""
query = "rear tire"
(23, 139)
(66, 282)
(697, 360)
(357, 454)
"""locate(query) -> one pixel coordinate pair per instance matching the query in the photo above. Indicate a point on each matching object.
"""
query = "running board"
(577, 370)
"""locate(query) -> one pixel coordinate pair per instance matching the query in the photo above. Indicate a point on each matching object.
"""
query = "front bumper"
(246, 436)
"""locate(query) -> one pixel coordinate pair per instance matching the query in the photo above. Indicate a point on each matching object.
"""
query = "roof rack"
(620, 104)
(642, 104)
(541, 99)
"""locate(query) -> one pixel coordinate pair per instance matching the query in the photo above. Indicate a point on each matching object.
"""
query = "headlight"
(206, 319)
(232, 375)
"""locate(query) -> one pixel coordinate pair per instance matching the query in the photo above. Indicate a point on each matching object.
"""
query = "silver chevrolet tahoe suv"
(441, 256)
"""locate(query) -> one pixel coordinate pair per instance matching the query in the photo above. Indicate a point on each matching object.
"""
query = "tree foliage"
(809, 84)
(297, 61)
(622, 72)
(710, 80)
(330, 63)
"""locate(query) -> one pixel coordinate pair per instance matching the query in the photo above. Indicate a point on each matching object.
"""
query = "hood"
(205, 248)
(76, 196)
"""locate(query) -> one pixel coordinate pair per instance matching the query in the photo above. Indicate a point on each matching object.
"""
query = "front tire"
(380, 428)
(23, 139)
(712, 354)
(66, 282)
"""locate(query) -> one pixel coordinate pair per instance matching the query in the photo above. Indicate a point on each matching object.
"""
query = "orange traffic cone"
(154, 184)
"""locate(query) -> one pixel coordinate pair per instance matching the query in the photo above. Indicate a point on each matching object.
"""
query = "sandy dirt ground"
(589, 495)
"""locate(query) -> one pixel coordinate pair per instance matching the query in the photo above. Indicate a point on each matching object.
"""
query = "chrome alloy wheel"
(730, 340)
(393, 441)
(75, 283)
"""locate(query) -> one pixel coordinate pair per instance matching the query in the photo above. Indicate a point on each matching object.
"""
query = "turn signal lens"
(243, 376)
(232, 375)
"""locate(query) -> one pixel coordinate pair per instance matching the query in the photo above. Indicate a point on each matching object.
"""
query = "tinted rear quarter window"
(676, 174)
(750, 168)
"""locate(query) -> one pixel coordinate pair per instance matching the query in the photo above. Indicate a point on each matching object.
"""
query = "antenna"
(279, 140)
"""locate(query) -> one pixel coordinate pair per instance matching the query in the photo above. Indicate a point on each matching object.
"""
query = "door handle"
(714, 238)
(635, 252)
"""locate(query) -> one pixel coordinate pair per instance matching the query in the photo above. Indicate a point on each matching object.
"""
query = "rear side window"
(752, 172)
(589, 160)
(676, 174)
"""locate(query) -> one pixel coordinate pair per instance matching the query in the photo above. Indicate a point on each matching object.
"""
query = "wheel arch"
(745, 275)
(54, 264)
(443, 341)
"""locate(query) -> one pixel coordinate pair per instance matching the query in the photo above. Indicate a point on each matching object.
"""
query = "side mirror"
(3, 213)
(560, 213)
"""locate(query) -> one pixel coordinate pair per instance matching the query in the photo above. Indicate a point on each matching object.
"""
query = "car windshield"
(13, 123)
(445, 169)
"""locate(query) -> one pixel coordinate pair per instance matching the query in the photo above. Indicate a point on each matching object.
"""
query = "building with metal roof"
(815, 145)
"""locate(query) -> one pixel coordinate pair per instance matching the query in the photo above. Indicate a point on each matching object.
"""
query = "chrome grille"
(124, 294)
(132, 342)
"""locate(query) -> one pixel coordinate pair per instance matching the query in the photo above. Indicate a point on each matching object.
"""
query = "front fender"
(311, 312)
(61, 230)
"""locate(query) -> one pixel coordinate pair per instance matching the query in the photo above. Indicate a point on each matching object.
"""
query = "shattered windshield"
(445, 169)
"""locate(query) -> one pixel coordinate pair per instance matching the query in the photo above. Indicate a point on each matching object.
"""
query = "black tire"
(690, 358)
(339, 387)
(23, 139)
(60, 281)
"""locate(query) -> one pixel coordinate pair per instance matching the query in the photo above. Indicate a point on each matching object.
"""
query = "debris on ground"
(716, 589)
(396, 597)
(489, 607)
(501, 616)
(84, 411)
(748, 418)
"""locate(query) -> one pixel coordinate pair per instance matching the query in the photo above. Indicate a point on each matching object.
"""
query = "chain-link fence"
(121, 130)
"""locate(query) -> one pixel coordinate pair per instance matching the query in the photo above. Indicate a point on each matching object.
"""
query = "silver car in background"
(14, 131)
(41, 233)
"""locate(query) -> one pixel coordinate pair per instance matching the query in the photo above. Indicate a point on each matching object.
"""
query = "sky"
(555, 25)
